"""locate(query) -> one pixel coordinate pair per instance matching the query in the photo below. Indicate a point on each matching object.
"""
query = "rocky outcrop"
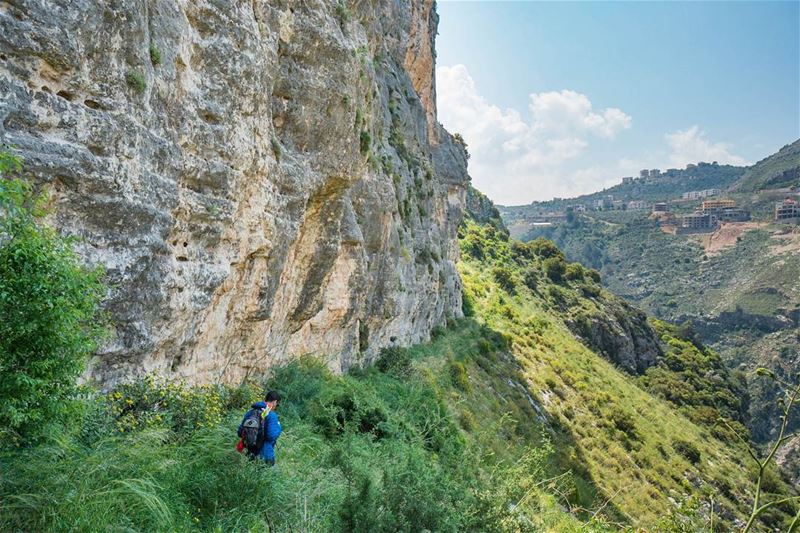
(481, 209)
(618, 332)
(259, 179)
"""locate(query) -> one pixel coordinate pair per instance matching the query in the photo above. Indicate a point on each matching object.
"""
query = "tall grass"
(364, 452)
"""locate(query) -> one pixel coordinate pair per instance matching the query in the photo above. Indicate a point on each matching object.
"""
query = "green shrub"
(394, 360)
(522, 251)
(155, 54)
(152, 402)
(136, 81)
(459, 376)
(345, 407)
(555, 267)
(574, 272)
(365, 141)
(342, 12)
(545, 248)
(688, 450)
(504, 277)
(485, 348)
(531, 278)
(624, 422)
(467, 305)
(49, 305)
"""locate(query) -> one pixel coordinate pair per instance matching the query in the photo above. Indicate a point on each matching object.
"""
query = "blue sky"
(564, 98)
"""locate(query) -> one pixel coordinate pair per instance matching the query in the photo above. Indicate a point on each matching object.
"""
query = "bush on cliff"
(48, 312)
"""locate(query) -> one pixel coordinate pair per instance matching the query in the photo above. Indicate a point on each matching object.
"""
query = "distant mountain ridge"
(777, 171)
(669, 185)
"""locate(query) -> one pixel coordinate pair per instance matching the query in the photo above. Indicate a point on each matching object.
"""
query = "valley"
(736, 285)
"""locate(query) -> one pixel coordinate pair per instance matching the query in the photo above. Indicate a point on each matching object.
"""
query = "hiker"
(260, 429)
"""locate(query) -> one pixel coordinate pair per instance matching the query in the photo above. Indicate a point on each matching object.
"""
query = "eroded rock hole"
(209, 117)
(91, 104)
(66, 95)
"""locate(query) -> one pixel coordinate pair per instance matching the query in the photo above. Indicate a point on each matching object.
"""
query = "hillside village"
(668, 198)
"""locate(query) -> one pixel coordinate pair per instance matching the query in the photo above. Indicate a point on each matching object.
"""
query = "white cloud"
(568, 112)
(692, 146)
(515, 160)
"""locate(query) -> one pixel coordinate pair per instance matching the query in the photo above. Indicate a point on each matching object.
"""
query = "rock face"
(620, 333)
(260, 179)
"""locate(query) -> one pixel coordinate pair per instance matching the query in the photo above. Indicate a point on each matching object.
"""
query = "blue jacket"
(272, 430)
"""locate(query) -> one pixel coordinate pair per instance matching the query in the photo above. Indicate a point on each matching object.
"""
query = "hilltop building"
(637, 205)
(603, 203)
(698, 222)
(725, 211)
(788, 211)
(695, 195)
(710, 205)
(627, 180)
(733, 214)
(661, 207)
(553, 217)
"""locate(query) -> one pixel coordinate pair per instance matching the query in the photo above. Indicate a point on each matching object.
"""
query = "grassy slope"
(592, 401)
(673, 278)
(768, 173)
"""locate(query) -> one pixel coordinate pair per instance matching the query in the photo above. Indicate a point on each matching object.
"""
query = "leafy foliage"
(394, 360)
(155, 54)
(694, 377)
(364, 452)
(135, 80)
(365, 142)
(49, 322)
(688, 450)
(150, 402)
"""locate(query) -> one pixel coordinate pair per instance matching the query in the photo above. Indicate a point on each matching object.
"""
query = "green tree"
(555, 268)
(49, 303)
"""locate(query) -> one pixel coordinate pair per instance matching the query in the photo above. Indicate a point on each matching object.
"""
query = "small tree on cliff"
(48, 312)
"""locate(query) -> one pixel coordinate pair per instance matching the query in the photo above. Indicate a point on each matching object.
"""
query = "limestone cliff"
(260, 179)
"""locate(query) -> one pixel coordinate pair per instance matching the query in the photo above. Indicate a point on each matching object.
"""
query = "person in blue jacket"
(270, 425)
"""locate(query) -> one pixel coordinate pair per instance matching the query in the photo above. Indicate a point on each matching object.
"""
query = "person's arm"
(273, 429)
